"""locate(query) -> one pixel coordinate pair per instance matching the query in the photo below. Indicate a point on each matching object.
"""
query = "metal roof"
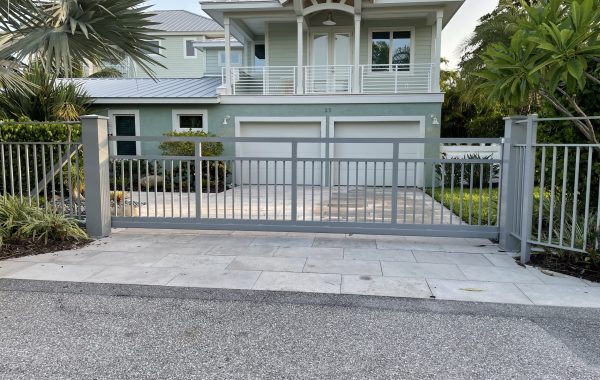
(183, 21)
(145, 90)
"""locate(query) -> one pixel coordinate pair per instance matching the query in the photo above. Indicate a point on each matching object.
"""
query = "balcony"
(331, 80)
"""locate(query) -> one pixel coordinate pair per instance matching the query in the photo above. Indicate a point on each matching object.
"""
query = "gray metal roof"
(104, 90)
(183, 21)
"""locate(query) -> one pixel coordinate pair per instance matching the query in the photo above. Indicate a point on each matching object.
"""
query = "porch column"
(300, 55)
(227, 54)
(356, 69)
(437, 57)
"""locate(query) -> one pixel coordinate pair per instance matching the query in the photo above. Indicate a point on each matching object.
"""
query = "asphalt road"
(52, 330)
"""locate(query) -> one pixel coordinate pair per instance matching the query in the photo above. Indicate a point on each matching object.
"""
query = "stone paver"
(422, 270)
(559, 295)
(477, 291)
(393, 266)
(317, 253)
(56, 272)
(343, 266)
(385, 286)
(134, 275)
(210, 279)
(500, 274)
(272, 264)
(451, 258)
(299, 282)
(379, 254)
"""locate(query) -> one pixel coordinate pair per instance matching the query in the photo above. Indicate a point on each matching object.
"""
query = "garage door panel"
(372, 174)
(271, 171)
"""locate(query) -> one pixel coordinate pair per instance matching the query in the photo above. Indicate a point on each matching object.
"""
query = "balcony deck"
(331, 80)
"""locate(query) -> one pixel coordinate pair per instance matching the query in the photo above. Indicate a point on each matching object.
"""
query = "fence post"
(94, 137)
(509, 207)
(528, 184)
(198, 182)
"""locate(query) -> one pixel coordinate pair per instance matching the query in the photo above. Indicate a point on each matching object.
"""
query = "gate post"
(509, 207)
(94, 137)
(517, 211)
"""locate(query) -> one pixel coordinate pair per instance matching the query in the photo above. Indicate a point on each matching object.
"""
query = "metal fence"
(545, 195)
(395, 192)
(48, 174)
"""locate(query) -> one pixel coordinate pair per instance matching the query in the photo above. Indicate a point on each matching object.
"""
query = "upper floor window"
(391, 47)
(189, 49)
(236, 58)
(155, 47)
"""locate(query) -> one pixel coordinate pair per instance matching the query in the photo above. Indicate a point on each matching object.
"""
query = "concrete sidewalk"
(442, 268)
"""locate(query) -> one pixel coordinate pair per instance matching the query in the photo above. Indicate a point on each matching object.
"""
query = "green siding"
(282, 44)
(157, 119)
(282, 41)
(176, 66)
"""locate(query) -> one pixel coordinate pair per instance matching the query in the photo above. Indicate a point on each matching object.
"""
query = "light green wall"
(177, 66)
(157, 119)
(282, 40)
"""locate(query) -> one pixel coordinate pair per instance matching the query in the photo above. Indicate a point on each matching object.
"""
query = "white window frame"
(159, 48)
(221, 61)
(112, 128)
(188, 112)
(185, 56)
(410, 29)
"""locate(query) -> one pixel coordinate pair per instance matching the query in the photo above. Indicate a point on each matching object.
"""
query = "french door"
(331, 69)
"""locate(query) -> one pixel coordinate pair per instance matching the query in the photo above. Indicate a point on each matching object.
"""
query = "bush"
(39, 132)
(481, 172)
(186, 149)
(22, 221)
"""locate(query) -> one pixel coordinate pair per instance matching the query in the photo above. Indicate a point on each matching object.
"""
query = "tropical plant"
(49, 99)
(22, 220)
(551, 57)
(107, 72)
(64, 32)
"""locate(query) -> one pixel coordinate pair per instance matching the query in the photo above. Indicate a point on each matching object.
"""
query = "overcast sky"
(455, 32)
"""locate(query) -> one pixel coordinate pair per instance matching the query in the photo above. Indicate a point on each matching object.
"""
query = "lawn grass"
(472, 213)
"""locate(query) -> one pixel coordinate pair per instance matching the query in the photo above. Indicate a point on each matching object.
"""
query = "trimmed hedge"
(39, 132)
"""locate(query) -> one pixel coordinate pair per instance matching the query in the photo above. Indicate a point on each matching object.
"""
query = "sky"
(459, 28)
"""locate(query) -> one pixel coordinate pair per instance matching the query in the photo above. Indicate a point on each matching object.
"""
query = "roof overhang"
(214, 100)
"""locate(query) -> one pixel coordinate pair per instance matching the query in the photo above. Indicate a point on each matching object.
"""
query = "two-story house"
(308, 68)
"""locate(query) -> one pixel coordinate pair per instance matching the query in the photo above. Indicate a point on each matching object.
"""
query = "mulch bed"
(11, 249)
(572, 265)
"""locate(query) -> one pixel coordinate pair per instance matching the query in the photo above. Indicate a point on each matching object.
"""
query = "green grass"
(471, 212)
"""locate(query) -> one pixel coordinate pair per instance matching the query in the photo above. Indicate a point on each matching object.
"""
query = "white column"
(437, 57)
(356, 69)
(227, 54)
(300, 55)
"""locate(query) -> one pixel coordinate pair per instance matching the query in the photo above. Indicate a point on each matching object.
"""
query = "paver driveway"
(454, 269)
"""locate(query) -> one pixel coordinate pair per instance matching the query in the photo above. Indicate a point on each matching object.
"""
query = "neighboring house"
(180, 31)
(308, 68)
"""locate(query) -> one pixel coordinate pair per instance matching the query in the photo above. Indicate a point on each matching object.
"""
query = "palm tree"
(63, 33)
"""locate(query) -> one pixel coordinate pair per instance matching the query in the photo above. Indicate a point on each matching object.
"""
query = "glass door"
(331, 55)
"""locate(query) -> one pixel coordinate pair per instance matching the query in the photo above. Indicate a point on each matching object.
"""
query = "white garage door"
(374, 173)
(258, 172)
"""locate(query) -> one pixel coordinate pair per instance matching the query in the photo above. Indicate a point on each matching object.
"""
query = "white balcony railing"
(396, 79)
(326, 80)
(266, 80)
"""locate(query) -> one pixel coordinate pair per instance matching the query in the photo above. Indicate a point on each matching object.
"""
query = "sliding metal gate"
(404, 189)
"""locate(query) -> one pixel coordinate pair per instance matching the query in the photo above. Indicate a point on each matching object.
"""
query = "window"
(236, 58)
(190, 50)
(186, 120)
(259, 55)
(154, 47)
(391, 48)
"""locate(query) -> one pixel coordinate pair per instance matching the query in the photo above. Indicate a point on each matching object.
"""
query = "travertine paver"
(395, 266)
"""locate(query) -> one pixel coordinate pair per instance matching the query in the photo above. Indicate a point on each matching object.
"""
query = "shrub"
(462, 172)
(185, 148)
(23, 221)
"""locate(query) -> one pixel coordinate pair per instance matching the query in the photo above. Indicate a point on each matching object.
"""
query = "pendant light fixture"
(329, 21)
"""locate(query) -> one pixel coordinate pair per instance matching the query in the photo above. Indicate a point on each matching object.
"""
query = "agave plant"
(64, 32)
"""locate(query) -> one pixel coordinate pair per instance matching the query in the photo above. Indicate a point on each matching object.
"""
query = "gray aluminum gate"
(298, 190)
